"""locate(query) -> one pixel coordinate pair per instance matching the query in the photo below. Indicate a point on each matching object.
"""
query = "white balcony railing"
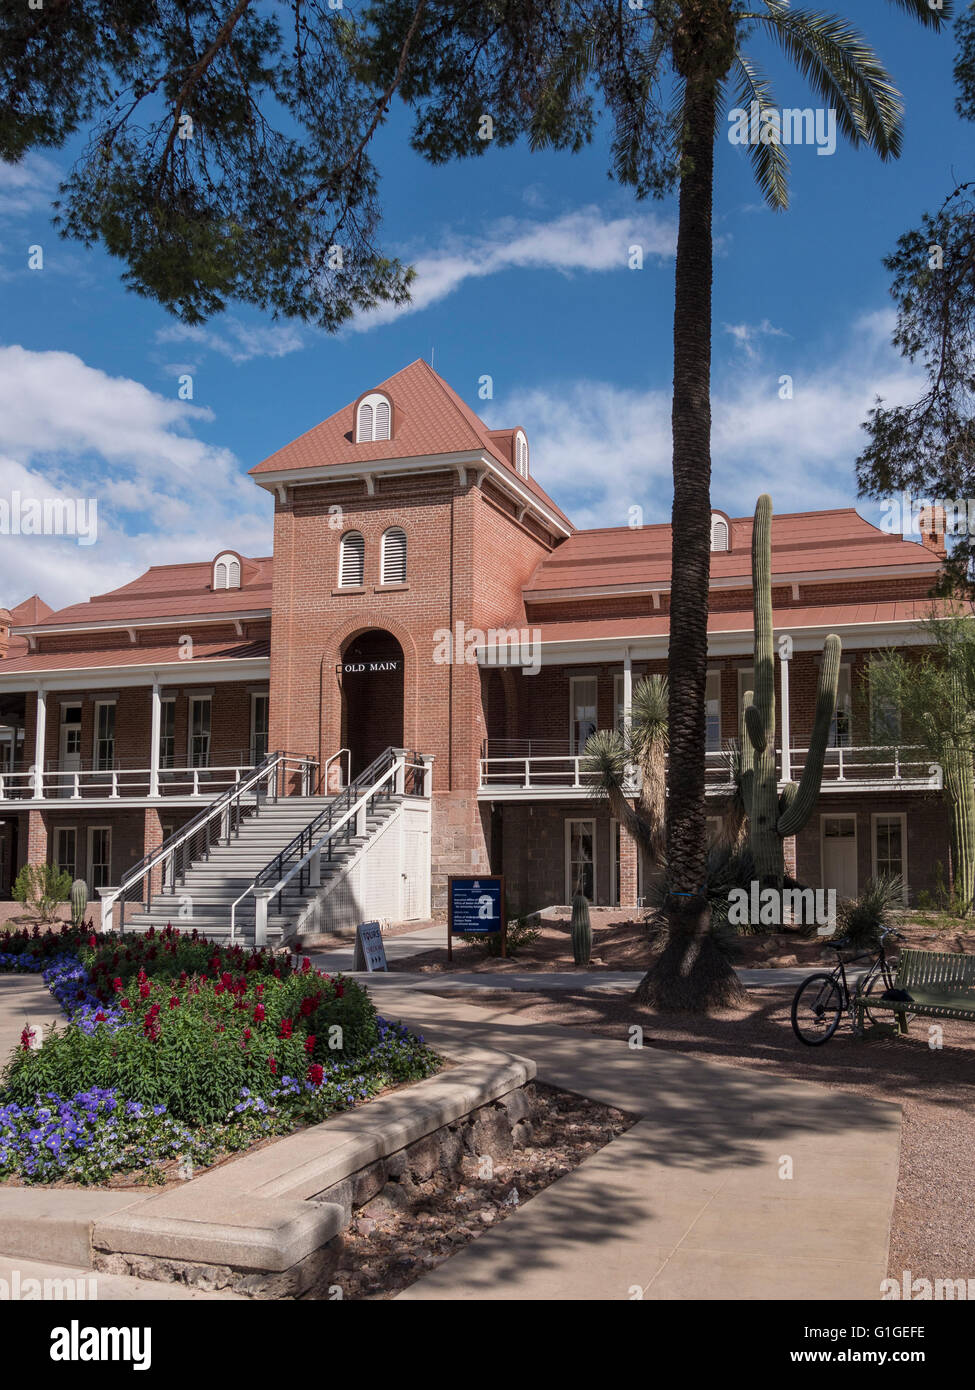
(120, 783)
(547, 772)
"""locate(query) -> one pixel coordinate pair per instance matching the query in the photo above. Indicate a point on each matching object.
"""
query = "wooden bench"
(941, 985)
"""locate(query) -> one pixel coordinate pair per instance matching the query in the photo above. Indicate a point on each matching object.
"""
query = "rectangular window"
(885, 719)
(104, 753)
(713, 711)
(167, 733)
(746, 682)
(99, 857)
(582, 710)
(580, 859)
(841, 730)
(66, 849)
(259, 728)
(199, 745)
(890, 847)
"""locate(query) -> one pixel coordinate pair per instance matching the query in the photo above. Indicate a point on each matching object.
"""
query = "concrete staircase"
(210, 886)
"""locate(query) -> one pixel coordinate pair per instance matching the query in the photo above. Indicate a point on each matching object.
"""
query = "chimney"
(933, 524)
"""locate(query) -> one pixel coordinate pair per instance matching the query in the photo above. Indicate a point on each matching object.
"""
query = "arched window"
(373, 419)
(226, 572)
(719, 533)
(394, 556)
(521, 454)
(352, 560)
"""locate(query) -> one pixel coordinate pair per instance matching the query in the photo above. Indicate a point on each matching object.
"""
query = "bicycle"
(823, 998)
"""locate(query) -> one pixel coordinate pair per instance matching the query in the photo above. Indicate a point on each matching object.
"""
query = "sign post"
(475, 906)
(370, 953)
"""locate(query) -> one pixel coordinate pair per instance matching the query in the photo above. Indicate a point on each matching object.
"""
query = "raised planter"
(269, 1223)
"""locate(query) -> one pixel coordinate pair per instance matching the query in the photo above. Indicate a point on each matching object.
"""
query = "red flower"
(226, 980)
(273, 1065)
(26, 1037)
(316, 1073)
(247, 1035)
(144, 990)
(259, 1013)
(307, 1008)
(339, 990)
(286, 1028)
(173, 1001)
(100, 1017)
(125, 1004)
(218, 989)
(117, 984)
(92, 941)
(305, 966)
(310, 1044)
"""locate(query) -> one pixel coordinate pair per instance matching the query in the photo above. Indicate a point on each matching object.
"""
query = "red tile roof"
(429, 418)
(834, 615)
(122, 657)
(169, 591)
(802, 542)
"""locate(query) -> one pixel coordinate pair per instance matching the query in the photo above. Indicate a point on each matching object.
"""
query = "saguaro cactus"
(773, 815)
(581, 930)
(79, 901)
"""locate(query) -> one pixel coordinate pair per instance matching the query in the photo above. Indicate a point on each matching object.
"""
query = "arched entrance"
(372, 671)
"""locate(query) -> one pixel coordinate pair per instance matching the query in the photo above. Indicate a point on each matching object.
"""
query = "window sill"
(390, 588)
(349, 589)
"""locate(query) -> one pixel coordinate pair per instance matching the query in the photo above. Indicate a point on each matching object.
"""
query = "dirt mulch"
(933, 1227)
(386, 1250)
(628, 945)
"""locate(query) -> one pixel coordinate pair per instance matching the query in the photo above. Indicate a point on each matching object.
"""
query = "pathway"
(733, 1184)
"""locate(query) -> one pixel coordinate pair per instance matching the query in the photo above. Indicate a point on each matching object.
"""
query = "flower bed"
(177, 1051)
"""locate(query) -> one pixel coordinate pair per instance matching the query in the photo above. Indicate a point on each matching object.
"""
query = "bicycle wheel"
(876, 987)
(817, 1009)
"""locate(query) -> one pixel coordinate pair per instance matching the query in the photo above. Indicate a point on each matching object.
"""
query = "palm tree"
(532, 64)
(634, 760)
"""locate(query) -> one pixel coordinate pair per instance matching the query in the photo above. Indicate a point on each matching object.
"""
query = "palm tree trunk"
(691, 973)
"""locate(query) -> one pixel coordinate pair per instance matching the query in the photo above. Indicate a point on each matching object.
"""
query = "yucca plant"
(860, 919)
(631, 766)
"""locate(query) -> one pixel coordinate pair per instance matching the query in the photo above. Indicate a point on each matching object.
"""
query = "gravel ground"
(933, 1228)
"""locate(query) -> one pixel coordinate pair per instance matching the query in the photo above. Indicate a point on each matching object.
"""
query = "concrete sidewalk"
(25, 999)
(693, 1201)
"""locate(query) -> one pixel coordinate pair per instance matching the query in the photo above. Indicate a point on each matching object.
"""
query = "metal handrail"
(323, 779)
(228, 807)
(339, 819)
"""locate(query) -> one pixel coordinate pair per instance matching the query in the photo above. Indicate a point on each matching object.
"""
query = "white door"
(69, 748)
(840, 855)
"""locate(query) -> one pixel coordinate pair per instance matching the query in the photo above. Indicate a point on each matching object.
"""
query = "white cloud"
(239, 341)
(28, 185)
(747, 335)
(578, 241)
(163, 495)
(598, 448)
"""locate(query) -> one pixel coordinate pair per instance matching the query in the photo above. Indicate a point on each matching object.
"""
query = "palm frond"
(844, 71)
(923, 13)
(771, 163)
(573, 67)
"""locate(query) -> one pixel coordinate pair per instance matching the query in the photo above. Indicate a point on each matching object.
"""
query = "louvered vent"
(353, 563)
(394, 556)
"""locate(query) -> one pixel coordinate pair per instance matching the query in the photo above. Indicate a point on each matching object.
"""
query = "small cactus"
(79, 901)
(581, 930)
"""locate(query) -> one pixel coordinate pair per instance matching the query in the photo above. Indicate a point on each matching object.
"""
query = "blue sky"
(523, 276)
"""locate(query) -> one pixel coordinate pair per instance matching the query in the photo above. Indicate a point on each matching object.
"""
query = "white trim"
(63, 830)
(876, 816)
(839, 815)
(89, 863)
(422, 463)
(573, 681)
(198, 699)
(118, 625)
(569, 885)
(101, 677)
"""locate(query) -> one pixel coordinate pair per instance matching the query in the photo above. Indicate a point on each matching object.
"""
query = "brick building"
(407, 536)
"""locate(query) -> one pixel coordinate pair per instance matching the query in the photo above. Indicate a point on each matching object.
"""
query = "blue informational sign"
(476, 904)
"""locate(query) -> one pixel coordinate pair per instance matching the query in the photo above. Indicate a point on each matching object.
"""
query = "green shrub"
(861, 918)
(519, 935)
(42, 888)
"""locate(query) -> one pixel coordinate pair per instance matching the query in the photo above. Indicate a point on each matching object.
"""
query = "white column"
(40, 733)
(627, 690)
(156, 729)
(784, 696)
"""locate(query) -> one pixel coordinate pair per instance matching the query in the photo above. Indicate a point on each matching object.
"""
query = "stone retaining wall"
(389, 1184)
